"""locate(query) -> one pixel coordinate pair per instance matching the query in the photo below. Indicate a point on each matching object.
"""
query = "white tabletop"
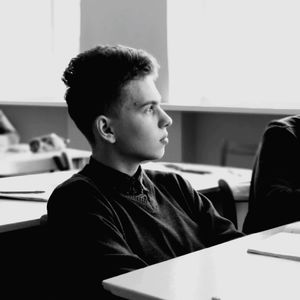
(15, 211)
(225, 272)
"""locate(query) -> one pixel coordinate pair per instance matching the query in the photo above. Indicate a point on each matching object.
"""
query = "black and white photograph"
(150, 149)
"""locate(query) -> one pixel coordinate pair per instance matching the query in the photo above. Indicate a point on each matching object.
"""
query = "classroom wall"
(134, 23)
(214, 128)
(32, 121)
(194, 136)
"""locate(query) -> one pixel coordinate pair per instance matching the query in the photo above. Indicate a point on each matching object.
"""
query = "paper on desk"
(43, 196)
(282, 245)
(41, 185)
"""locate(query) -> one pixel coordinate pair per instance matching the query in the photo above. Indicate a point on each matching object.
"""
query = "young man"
(113, 216)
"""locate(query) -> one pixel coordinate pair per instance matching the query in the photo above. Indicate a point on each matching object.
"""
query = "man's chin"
(154, 157)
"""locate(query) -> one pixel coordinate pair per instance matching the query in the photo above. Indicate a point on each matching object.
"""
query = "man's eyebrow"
(150, 102)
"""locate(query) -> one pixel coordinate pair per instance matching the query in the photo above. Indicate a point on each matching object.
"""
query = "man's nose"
(165, 120)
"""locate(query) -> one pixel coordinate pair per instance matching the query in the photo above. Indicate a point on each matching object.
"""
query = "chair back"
(237, 154)
(223, 200)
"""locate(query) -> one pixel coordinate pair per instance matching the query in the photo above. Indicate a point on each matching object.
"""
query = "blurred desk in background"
(14, 163)
(14, 213)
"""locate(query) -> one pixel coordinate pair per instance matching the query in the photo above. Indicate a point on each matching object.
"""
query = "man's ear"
(104, 129)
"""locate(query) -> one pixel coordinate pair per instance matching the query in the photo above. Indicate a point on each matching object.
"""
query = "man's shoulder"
(72, 188)
(286, 122)
(77, 180)
(285, 127)
(77, 194)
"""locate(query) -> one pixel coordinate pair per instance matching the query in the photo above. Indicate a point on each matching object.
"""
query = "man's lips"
(164, 140)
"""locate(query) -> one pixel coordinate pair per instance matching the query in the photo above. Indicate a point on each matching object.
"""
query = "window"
(234, 53)
(38, 39)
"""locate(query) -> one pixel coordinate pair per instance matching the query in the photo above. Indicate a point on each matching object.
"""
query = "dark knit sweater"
(107, 223)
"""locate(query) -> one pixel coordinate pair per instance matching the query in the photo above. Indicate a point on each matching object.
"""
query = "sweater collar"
(113, 179)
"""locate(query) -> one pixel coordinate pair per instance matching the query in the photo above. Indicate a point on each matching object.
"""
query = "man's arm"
(217, 228)
(213, 228)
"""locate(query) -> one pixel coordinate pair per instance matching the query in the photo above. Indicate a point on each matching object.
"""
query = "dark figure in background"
(8, 133)
(113, 216)
(275, 187)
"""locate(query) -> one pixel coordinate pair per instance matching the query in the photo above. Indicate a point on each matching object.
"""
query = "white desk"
(16, 214)
(12, 212)
(226, 272)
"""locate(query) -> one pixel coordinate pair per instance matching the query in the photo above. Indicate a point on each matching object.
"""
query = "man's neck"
(117, 164)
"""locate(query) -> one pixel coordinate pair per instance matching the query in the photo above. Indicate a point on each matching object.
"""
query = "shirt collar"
(111, 178)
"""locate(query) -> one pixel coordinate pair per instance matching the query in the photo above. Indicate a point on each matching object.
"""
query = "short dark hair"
(95, 79)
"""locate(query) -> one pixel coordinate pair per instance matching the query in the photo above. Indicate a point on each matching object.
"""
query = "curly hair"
(95, 79)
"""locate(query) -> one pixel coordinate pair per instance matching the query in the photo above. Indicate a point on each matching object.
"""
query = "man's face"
(141, 125)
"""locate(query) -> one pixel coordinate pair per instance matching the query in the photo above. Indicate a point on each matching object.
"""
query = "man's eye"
(150, 109)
